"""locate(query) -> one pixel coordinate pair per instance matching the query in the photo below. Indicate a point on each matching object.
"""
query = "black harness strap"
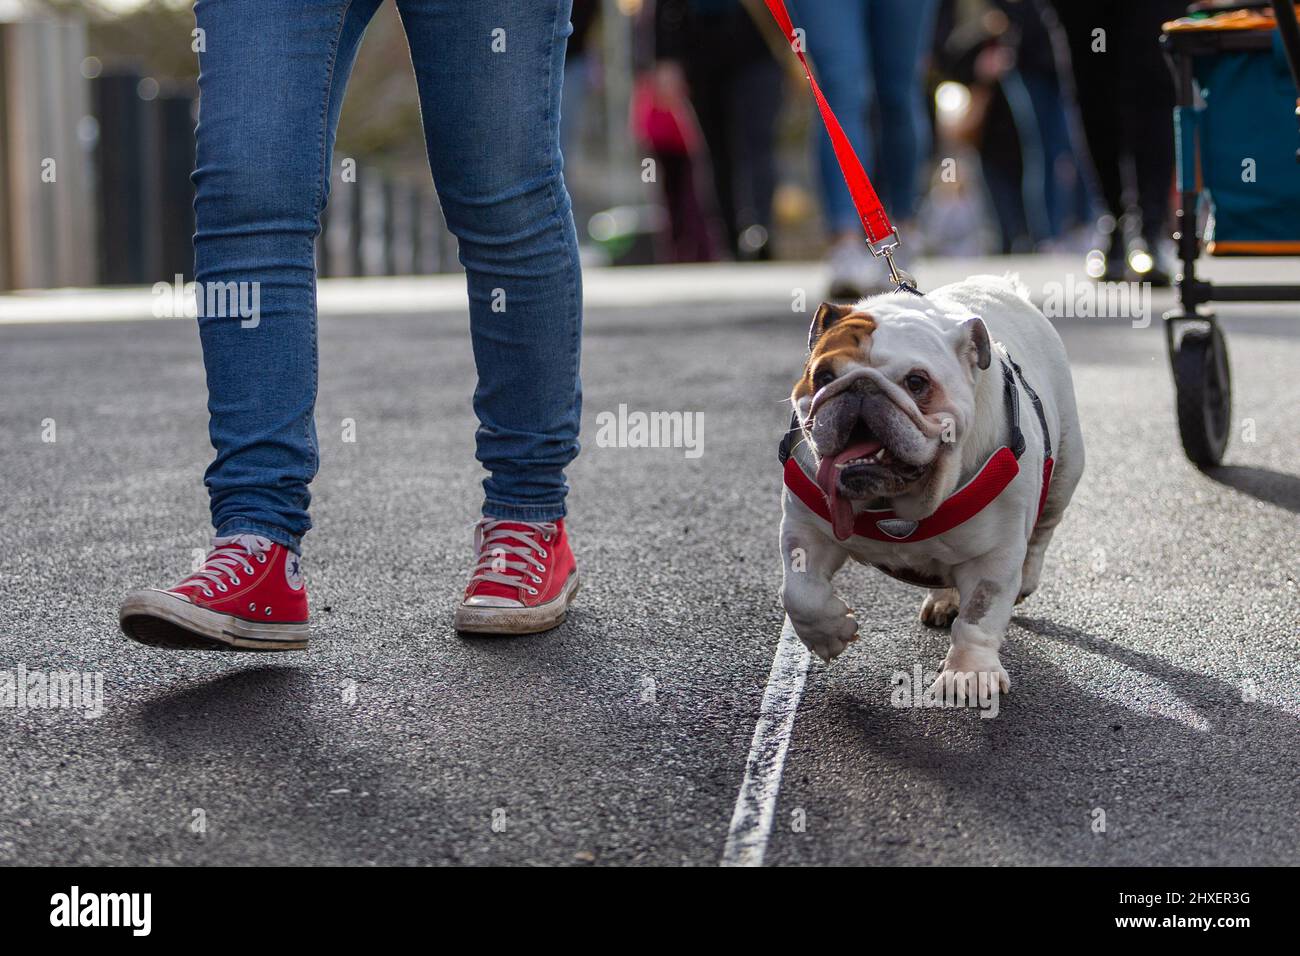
(786, 448)
(1014, 401)
(1016, 441)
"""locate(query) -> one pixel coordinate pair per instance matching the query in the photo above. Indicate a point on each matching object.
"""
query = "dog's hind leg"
(1064, 480)
(1034, 555)
(988, 586)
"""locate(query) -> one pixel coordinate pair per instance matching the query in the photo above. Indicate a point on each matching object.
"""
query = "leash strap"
(882, 236)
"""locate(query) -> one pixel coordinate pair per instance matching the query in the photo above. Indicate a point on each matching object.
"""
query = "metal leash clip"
(901, 278)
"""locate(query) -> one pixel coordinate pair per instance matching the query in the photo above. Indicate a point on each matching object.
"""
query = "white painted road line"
(751, 821)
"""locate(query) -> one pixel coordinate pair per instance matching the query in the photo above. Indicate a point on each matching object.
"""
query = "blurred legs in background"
(665, 125)
(868, 56)
(1126, 99)
(736, 89)
(690, 233)
(1028, 155)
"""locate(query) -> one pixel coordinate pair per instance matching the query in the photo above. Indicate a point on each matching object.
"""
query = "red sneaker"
(248, 596)
(524, 579)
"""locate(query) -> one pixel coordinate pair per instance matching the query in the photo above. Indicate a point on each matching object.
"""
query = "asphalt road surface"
(1156, 684)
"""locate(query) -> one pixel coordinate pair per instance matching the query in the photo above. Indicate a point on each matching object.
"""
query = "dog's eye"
(823, 378)
(916, 383)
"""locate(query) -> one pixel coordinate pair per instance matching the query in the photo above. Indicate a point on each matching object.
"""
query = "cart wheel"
(1204, 390)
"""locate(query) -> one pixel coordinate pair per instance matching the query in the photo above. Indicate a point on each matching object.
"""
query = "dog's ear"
(973, 342)
(827, 314)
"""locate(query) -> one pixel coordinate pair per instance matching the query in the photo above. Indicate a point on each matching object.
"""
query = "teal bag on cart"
(1246, 135)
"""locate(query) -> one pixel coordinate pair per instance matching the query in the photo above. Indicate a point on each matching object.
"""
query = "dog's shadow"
(1184, 766)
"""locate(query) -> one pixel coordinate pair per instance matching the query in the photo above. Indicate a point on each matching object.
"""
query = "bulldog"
(936, 438)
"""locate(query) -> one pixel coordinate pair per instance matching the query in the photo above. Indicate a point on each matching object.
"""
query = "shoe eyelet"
(268, 612)
(261, 559)
(531, 590)
(542, 553)
(234, 581)
(546, 538)
(252, 607)
(222, 588)
(207, 593)
(536, 579)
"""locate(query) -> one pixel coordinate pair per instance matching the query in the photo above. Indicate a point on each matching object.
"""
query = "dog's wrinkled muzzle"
(892, 389)
(888, 411)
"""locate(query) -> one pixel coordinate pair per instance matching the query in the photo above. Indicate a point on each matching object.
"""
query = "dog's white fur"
(995, 559)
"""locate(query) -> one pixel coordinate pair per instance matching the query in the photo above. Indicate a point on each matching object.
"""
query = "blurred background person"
(735, 86)
(1126, 99)
(1020, 118)
(664, 124)
(868, 56)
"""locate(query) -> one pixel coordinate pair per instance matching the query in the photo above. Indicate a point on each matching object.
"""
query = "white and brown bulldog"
(934, 437)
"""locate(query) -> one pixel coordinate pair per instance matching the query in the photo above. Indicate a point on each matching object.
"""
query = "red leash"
(882, 235)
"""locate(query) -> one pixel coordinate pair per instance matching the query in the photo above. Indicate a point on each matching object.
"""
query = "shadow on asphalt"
(1066, 751)
(235, 708)
(1264, 484)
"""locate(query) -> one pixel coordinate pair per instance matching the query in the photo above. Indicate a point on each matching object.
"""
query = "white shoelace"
(496, 546)
(230, 555)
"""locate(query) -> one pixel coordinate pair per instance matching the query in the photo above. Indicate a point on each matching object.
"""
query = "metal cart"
(1237, 141)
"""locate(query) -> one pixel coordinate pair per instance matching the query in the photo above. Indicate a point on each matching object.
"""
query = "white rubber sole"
(159, 619)
(518, 620)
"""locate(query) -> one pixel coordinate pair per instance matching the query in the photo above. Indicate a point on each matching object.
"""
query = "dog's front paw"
(963, 670)
(940, 607)
(827, 636)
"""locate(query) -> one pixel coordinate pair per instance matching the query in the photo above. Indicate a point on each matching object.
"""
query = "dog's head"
(886, 397)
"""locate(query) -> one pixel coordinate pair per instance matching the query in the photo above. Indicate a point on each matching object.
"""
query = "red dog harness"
(963, 504)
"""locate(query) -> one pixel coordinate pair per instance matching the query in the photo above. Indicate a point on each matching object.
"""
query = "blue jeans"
(868, 53)
(271, 83)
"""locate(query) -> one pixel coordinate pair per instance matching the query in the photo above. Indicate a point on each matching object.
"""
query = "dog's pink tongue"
(827, 477)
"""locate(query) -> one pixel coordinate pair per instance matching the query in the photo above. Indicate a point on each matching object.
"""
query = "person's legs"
(837, 45)
(271, 79)
(1034, 162)
(1054, 134)
(707, 69)
(490, 76)
(754, 131)
(900, 33)
(1095, 74)
(690, 232)
(1094, 38)
(1148, 85)
(835, 32)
